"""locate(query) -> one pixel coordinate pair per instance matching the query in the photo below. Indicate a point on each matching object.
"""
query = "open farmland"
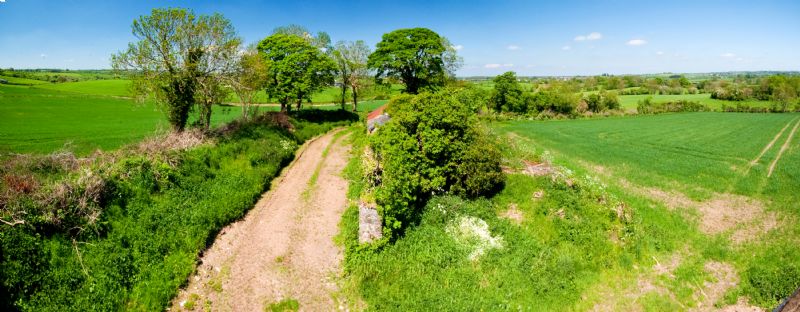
(701, 184)
(39, 120)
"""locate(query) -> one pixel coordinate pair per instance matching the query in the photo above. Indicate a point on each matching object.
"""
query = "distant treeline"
(60, 75)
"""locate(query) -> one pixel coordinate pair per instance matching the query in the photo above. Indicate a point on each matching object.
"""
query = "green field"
(621, 228)
(45, 118)
(696, 159)
(630, 101)
(39, 120)
(109, 87)
(23, 81)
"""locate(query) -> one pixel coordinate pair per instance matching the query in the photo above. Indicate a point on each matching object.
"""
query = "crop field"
(660, 213)
(109, 87)
(630, 101)
(89, 116)
(43, 120)
(705, 184)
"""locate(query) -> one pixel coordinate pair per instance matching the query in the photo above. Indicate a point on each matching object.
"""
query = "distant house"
(3, 81)
(377, 118)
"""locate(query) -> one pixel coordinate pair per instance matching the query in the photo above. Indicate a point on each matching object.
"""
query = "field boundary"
(784, 147)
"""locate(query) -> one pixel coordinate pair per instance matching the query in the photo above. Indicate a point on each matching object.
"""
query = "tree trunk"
(355, 99)
(344, 94)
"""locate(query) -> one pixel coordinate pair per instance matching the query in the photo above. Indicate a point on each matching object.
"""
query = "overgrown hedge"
(432, 145)
(127, 234)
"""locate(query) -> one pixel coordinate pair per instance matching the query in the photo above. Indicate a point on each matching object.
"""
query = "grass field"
(23, 81)
(630, 101)
(88, 115)
(698, 161)
(41, 120)
(109, 87)
(625, 226)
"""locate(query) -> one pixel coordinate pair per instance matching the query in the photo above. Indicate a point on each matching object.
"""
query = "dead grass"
(513, 214)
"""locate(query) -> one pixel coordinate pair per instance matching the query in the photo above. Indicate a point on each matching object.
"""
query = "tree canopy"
(296, 69)
(507, 94)
(414, 55)
(178, 60)
(351, 59)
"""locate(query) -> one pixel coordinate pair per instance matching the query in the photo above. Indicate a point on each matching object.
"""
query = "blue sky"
(529, 37)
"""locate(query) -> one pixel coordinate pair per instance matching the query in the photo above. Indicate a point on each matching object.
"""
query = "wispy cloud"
(728, 55)
(660, 53)
(566, 48)
(458, 47)
(43, 55)
(496, 65)
(589, 37)
(636, 42)
(512, 47)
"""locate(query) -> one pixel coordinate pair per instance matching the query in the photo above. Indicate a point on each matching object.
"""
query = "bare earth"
(283, 249)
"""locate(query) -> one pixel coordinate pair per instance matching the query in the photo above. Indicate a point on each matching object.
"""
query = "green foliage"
(544, 263)
(647, 106)
(413, 55)
(156, 214)
(285, 305)
(171, 60)
(426, 149)
(296, 68)
(507, 94)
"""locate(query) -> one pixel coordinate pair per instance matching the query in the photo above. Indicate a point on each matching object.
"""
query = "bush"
(431, 146)
(647, 106)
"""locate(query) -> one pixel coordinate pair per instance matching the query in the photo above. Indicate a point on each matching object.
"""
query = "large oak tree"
(414, 55)
(296, 68)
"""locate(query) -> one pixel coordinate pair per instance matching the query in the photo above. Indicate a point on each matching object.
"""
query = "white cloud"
(566, 48)
(43, 55)
(739, 59)
(591, 36)
(495, 65)
(728, 55)
(458, 47)
(1, 1)
(660, 53)
(636, 42)
(512, 47)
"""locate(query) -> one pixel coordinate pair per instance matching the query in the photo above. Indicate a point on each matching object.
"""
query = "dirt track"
(283, 248)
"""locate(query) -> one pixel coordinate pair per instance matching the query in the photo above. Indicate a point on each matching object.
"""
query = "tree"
(413, 55)
(351, 59)
(507, 94)
(296, 69)
(177, 54)
(322, 40)
(249, 76)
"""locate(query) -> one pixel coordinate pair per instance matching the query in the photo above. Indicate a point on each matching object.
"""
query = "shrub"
(647, 106)
(426, 149)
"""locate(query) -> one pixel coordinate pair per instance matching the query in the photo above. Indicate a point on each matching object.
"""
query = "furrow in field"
(783, 149)
(771, 143)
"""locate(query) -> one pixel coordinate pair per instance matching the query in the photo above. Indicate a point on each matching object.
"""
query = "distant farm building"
(377, 118)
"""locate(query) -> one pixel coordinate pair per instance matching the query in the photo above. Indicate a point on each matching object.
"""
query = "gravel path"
(283, 249)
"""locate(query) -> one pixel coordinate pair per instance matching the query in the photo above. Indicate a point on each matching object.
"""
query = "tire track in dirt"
(784, 147)
(283, 248)
(769, 145)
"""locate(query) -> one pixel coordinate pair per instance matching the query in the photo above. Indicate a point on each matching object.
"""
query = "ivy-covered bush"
(432, 145)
